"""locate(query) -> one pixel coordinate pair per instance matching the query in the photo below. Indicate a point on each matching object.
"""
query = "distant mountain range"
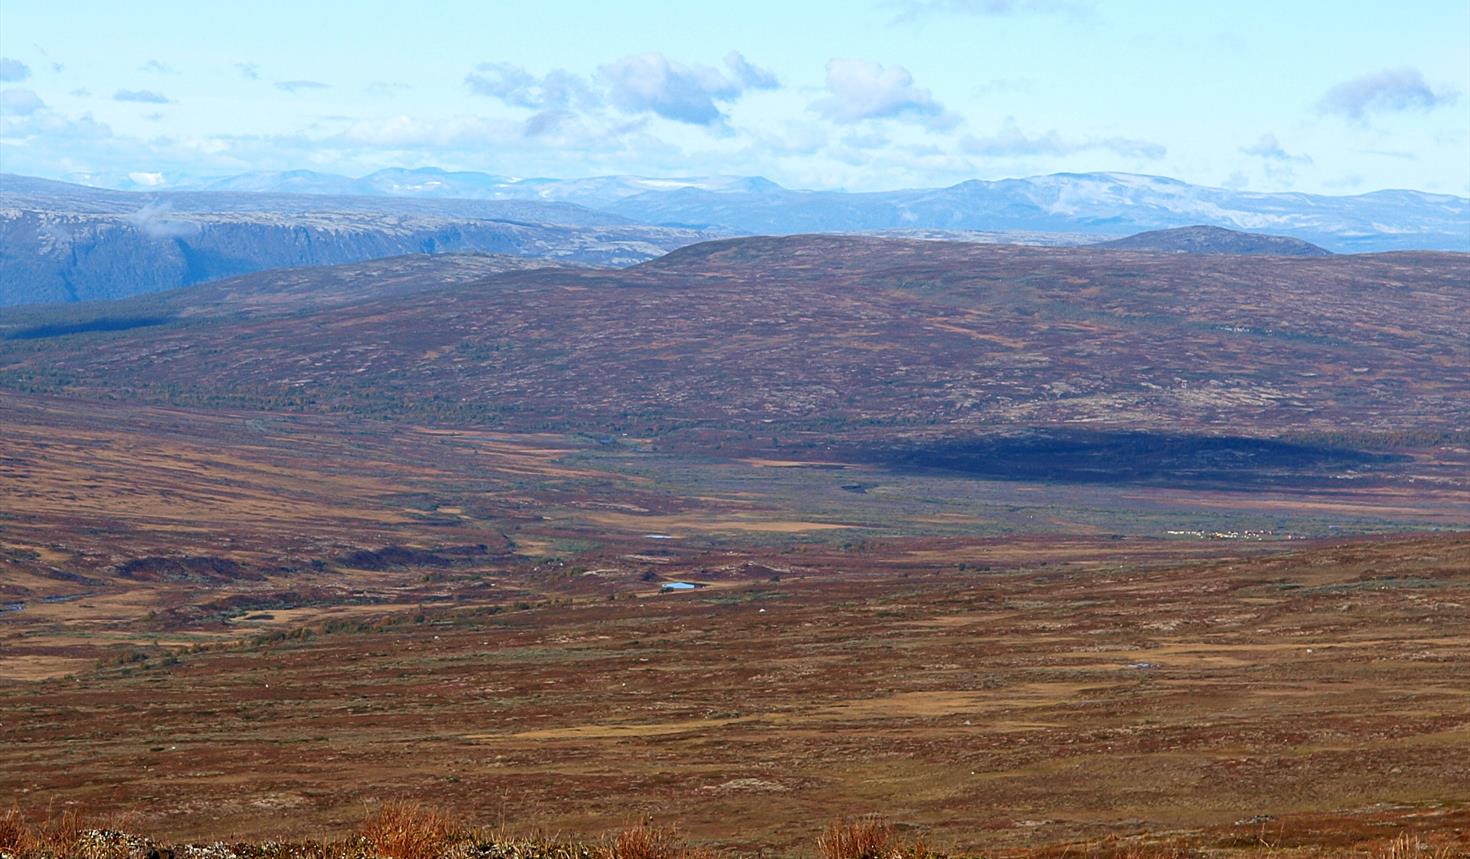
(62, 242)
(66, 243)
(1102, 205)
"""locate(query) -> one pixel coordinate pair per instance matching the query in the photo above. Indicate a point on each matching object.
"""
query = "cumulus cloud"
(643, 83)
(13, 70)
(156, 221)
(144, 96)
(156, 67)
(547, 122)
(1387, 91)
(862, 89)
(27, 121)
(249, 71)
(750, 75)
(652, 83)
(298, 86)
(1011, 142)
(20, 102)
(557, 89)
(1270, 149)
(1278, 164)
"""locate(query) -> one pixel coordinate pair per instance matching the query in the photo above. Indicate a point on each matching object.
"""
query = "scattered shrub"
(644, 841)
(408, 830)
(13, 831)
(55, 837)
(867, 837)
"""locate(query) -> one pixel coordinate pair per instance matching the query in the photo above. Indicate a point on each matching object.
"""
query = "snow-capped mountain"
(597, 192)
(1075, 206)
(1101, 205)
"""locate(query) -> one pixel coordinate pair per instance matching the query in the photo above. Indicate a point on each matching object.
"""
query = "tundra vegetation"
(1034, 552)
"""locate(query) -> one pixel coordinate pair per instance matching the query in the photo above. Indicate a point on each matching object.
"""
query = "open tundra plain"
(1014, 546)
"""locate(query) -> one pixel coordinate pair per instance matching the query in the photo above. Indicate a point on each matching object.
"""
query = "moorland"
(1015, 545)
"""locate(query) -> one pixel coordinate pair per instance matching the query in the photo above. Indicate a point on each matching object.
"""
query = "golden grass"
(1407, 846)
(867, 837)
(54, 836)
(408, 830)
(644, 840)
(1403, 846)
(411, 830)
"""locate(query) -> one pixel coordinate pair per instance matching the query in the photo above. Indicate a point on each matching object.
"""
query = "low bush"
(408, 830)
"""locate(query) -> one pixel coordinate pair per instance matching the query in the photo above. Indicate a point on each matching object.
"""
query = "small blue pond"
(679, 586)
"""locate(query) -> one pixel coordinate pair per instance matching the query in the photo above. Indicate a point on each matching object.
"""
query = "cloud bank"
(649, 83)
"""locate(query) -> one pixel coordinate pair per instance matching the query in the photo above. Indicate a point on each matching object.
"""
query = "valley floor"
(1045, 700)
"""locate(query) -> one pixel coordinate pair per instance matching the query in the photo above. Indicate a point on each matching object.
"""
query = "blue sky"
(1324, 97)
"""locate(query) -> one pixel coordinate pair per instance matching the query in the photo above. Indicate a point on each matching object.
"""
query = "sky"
(1340, 97)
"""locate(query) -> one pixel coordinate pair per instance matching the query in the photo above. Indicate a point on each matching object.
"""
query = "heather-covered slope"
(834, 337)
(1215, 240)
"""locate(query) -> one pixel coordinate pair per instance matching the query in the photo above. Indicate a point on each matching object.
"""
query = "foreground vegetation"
(408, 830)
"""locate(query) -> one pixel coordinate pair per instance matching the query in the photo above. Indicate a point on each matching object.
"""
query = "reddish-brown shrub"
(14, 831)
(644, 841)
(408, 830)
(858, 838)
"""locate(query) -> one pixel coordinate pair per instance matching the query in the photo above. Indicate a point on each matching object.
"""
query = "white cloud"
(652, 83)
(749, 74)
(13, 70)
(1269, 148)
(1278, 165)
(156, 221)
(638, 84)
(50, 130)
(20, 102)
(142, 96)
(1387, 91)
(862, 89)
(516, 86)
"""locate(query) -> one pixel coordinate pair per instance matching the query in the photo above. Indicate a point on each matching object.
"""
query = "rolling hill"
(816, 338)
(1215, 240)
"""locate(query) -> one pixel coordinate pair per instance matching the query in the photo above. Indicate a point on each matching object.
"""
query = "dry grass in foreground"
(411, 830)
